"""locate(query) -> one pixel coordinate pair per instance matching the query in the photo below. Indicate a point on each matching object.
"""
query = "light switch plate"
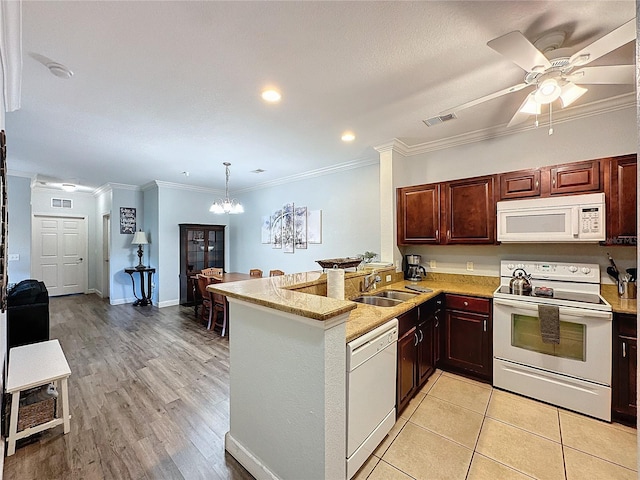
(470, 266)
(432, 264)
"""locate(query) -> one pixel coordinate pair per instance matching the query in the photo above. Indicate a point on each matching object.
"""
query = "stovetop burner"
(589, 298)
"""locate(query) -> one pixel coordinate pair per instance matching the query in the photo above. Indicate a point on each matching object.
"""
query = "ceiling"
(161, 88)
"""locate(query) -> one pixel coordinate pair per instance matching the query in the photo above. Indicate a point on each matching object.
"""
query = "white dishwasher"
(371, 392)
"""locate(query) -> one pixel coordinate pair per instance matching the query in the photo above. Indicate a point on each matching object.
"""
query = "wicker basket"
(30, 415)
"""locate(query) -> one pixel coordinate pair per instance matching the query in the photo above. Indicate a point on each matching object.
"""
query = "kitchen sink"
(396, 295)
(377, 301)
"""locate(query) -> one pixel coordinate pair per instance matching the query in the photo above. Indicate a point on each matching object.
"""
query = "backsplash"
(486, 259)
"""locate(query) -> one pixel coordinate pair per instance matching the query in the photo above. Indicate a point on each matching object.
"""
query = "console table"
(31, 366)
(144, 294)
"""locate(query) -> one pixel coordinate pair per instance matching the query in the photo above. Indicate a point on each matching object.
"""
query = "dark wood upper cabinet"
(419, 214)
(581, 177)
(622, 200)
(470, 211)
(521, 184)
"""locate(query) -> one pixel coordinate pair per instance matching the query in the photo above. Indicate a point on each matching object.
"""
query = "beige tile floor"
(459, 429)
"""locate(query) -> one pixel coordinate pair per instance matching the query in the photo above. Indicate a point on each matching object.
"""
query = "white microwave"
(577, 218)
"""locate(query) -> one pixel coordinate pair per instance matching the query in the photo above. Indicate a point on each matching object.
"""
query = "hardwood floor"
(149, 394)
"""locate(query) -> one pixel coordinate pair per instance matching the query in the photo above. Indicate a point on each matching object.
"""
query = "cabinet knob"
(466, 304)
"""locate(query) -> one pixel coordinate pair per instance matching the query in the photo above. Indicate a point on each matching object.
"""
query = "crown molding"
(395, 145)
(600, 107)
(181, 186)
(18, 173)
(102, 189)
(320, 172)
(59, 191)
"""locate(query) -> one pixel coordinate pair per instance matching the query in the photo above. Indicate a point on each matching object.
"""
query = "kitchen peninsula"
(287, 364)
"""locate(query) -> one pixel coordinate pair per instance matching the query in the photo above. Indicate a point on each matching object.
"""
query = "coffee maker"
(413, 271)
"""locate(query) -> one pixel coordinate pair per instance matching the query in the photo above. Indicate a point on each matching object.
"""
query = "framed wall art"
(127, 220)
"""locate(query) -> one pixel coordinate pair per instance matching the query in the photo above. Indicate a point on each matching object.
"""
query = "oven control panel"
(559, 271)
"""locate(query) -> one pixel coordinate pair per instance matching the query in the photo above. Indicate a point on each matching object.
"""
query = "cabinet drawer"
(626, 324)
(407, 321)
(468, 304)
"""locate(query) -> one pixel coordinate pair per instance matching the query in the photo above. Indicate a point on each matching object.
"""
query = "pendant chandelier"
(226, 206)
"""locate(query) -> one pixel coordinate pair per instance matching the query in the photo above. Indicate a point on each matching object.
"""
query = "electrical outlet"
(470, 266)
(13, 257)
(388, 278)
(432, 264)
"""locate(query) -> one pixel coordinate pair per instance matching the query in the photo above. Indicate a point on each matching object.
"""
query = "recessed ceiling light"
(271, 95)
(348, 137)
(258, 170)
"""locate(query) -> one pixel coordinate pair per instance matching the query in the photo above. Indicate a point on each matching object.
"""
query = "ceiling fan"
(554, 77)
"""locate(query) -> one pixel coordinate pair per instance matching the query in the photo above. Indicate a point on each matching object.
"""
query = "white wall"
(180, 204)
(123, 253)
(103, 207)
(19, 240)
(350, 204)
(609, 134)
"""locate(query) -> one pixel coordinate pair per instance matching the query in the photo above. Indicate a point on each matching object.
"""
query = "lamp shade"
(140, 238)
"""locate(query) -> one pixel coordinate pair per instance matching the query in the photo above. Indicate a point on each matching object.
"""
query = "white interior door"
(59, 252)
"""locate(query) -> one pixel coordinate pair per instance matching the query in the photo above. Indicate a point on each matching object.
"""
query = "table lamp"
(140, 238)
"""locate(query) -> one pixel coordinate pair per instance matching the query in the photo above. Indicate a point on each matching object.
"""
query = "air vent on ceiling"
(430, 122)
(61, 203)
(259, 170)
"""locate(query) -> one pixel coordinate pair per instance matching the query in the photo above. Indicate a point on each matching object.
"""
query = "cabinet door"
(418, 213)
(624, 401)
(622, 201)
(522, 184)
(579, 177)
(467, 342)
(407, 361)
(470, 211)
(426, 354)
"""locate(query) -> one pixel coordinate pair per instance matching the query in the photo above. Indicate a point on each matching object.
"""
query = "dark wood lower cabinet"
(468, 336)
(417, 349)
(624, 382)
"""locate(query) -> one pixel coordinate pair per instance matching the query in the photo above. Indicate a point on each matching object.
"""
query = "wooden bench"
(32, 366)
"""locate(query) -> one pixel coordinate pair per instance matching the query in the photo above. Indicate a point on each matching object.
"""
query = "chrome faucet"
(369, 282)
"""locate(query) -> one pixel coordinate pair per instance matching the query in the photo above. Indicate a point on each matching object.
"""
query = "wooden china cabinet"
(201, 246)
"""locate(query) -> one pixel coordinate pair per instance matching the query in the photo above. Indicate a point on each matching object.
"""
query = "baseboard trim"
(168, 303)
(253, 465)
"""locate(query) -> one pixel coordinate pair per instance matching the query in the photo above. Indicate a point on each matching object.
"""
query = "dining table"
(224, 278)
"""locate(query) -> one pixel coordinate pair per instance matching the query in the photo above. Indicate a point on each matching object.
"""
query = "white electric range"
(574, 373)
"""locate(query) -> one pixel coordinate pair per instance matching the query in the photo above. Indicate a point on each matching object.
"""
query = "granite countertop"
(277, 293)
(619, 305)
(367, 317)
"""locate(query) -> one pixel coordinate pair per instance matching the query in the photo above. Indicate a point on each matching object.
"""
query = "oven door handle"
(573, 312)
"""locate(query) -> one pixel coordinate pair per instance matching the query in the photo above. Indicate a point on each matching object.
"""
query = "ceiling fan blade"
(520, 116)
(486, 98)
(609, 74)
(520, 51)
(620, 36)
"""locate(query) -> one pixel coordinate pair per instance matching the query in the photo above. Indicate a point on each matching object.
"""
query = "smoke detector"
(59, 70)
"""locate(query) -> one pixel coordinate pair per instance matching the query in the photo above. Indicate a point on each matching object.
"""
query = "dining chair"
(275, 273)
(219, 302)
(255, 272)
(206, 312)
(212, 272)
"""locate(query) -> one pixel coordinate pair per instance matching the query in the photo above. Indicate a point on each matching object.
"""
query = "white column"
(390, 154)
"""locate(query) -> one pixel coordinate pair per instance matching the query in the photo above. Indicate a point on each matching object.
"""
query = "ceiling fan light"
(548, 91)
(570, 93)
(531, 106)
